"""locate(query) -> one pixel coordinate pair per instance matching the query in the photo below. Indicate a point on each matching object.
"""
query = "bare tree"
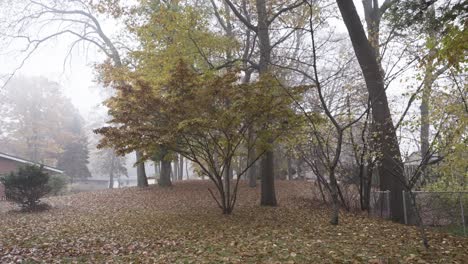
(262, 29)
(77, 19)
(390, 164)
(328, 154)
(247, 38)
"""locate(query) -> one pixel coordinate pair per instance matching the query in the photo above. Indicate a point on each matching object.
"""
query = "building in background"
(9, 163)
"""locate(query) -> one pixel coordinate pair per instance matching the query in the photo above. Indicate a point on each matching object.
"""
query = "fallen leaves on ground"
(183, 225)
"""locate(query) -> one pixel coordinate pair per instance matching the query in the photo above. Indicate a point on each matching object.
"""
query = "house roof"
(20, 160)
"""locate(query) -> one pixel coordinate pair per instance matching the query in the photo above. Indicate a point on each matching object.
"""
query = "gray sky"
(74, 73)
(76, 77)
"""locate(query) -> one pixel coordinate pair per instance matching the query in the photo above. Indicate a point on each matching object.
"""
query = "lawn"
(183, 225)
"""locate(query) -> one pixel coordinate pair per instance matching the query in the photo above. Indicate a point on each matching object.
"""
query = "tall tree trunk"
(157, 170)
(289, 164)
(114, 55)
(227, 187)
(165, 174)
(367, 185)
(111, 173)
(268, 196)
(181, 167)
(425, 123)
(429, 78)
(240, 166)
(252, 174)
(390, 163)
(174, 170)
(300, 171)
(142, 181)
(111, 180)
(252, 171)
(334, 196)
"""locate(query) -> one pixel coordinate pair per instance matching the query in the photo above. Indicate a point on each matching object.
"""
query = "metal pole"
(462, 214)
(404, 207)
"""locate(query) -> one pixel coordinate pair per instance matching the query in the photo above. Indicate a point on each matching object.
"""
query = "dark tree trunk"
(300, 172)
(141, 173)
(111, 180)
(253, 176)
(390, 163)
(252, 170)
(362, 179)
(227, 187)
(334, 196)
(165, 174)
(289, 168)
(142, 181)
(111, 174)
(268, 196)
(367, 188)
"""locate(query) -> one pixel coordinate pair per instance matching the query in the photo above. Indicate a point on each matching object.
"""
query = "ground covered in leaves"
(183, 225)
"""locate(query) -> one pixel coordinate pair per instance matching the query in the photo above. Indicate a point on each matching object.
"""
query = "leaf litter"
(183, 225)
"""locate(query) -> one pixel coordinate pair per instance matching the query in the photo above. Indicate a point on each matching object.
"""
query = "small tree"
(27, 186)
(205, 118)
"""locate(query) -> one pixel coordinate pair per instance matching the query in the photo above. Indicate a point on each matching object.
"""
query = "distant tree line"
(42, 125)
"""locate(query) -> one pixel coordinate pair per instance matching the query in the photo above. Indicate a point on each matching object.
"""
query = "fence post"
(462, 214)
(404, 207)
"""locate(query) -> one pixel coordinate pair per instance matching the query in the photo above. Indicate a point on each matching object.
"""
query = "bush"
(57, 184)
(27, 186)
